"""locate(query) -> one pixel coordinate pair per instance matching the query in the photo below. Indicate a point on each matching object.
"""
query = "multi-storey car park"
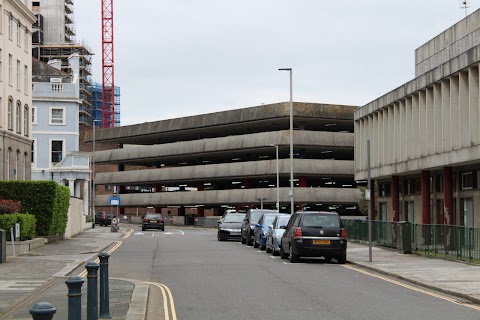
(212, 161)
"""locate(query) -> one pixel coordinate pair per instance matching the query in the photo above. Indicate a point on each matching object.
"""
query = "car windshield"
(153, 216)
(234, 218)
(267, 220)
(256, 215)
(282, 221)
(320, 221)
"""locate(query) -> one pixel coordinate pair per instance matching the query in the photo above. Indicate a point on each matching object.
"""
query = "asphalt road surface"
(227, 280)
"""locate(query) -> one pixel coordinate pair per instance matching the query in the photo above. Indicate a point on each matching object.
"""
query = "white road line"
(259, 251)
(183, 233)
(153, 233)
(273, 257)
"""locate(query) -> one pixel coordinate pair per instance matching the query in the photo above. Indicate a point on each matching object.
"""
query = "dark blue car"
(261, 230)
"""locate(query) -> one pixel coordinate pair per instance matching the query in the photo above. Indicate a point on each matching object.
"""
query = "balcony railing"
(445, 241)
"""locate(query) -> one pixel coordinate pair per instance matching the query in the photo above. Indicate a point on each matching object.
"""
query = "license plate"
(153, 221)
(235, 233)
(321, 241)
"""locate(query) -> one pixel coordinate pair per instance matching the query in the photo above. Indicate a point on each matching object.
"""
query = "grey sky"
(177, 58)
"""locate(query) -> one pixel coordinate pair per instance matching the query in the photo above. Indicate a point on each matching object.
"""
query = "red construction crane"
(108, 83)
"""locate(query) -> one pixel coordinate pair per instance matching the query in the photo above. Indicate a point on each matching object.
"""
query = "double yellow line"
(97, 260)
(436, 295)
(167, 297)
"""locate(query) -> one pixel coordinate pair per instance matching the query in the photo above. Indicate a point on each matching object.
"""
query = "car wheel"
(249, 239)
(218, 238)
(342, 259)
(293, 257)
(262, 247)
(255, 244)
(283, 255)
(242, 239)
(163, 229)
(274, 252)
(268, 250)
(143, 229)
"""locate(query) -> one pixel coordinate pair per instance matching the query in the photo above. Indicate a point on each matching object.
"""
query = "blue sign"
(114, 200)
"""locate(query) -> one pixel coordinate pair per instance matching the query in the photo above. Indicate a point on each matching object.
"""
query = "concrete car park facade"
(211, 161)
(425, 137)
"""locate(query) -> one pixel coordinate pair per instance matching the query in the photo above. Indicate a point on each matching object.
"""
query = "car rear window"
(234, 218)
(320, 221)
(268, 220)
(153, 216)
(283, 221)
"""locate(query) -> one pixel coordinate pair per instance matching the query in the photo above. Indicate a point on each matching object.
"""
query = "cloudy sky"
(176, 58)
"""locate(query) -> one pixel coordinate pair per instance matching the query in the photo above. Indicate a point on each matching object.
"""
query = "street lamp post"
(292, 206)
(278, 178)
(93, 174)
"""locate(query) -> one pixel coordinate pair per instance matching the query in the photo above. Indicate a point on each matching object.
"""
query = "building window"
(57, 150)
(17, 159)
(18, 33)
(25, 121)
(18, 117)
(25, 39)
(33, 152)
(18, 74)
(25, 165)
(34, 115)
(10, 26)
(9, 155)
(25, 80)
(439, 183)
(10, 67)
(10, 113)
(1, 64)
(468, 180)
(384, 189)
(57, 116)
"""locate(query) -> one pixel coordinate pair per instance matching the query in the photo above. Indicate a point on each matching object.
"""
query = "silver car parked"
(275, 232)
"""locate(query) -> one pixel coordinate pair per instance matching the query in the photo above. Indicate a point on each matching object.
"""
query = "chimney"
(56, 63)
(74, 61)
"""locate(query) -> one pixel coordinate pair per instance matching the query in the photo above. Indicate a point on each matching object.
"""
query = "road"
(212, 280)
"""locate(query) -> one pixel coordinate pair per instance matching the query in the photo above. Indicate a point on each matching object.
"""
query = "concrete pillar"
(395, 199)
(446, 116)
(302, 182)
(71, 185)
(372, 196)
(425, 186)
(448, 195)
(86, 197)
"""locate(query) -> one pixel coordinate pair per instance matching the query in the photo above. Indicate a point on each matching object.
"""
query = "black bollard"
(92, 290)
(74, 285)
(42, 311)
(104, 290)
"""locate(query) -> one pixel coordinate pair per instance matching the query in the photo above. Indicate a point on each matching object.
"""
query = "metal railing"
(445, 241)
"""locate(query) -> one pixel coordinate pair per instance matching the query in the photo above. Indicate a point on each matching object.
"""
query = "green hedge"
(46, 200)
(27, 224)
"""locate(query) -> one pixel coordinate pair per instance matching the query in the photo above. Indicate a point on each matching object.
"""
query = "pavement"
(40, 275)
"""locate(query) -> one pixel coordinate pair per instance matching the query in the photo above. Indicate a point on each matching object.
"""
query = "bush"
(27, 224)
(10, 206)
(46, 200)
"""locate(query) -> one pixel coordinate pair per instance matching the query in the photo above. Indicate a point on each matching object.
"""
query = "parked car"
(105, 219)
(227, 212)
(153, 221)
(229, 228)
(98, 217)
(248, 224)
(314, 234)
(261, 229)
(275, 232)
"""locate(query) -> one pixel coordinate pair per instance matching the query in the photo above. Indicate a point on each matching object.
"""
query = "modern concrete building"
(15, 89)
(425, 135)
(210, 161)
(56, 100)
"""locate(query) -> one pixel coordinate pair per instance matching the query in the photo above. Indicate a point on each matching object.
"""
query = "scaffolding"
(96, 102)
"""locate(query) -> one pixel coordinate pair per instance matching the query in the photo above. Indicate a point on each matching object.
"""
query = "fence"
(452, 242)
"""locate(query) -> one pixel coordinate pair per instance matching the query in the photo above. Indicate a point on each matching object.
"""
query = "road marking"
(153, 233)
(436, 295)
(167, 297)
(97, 260)
(168, 233)
(20, 285)
(139, 233)
(273, 257)
(183, 233)
(128, 234)
(259, 251)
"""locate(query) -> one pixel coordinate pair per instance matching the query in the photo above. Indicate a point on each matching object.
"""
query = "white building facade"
(16, 21)
(55, 129)
(425, 135)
